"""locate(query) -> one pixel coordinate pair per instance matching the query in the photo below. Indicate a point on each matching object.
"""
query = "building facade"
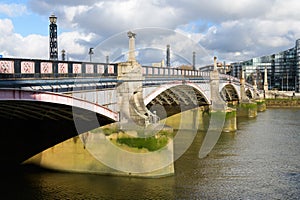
(222, 67)
(283, 69)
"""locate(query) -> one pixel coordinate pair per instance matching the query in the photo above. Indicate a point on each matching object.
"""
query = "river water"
(261, 160)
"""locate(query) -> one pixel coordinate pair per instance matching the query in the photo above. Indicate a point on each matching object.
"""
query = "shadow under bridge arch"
(171, 99)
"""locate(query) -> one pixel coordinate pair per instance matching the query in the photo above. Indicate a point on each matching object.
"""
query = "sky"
(232, 30)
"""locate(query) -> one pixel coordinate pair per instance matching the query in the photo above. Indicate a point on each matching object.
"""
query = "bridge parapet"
(150, 71)
(82, 77)
(21, 68)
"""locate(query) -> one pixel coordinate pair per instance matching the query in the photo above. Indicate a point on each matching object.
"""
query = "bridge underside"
(29, 127)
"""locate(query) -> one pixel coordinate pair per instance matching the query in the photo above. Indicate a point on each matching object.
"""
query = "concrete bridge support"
(230, 124)
(219, 108)
(246, 107)
(200, 118)
(75, 156)
(228, 117)
(261, 103)
(221, 118)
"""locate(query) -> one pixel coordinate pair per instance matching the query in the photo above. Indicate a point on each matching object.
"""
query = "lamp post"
(107, 59)
(168, 56)
(63, 55)
(91, 52)
(194, 60)
(53, 47)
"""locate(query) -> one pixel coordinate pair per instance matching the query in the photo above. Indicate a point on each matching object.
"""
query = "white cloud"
(31, 46)
(6, 28)
(258, 36)
(13, 10)
(288, 9)
(36, 46)
(235, 30)
(75, 44)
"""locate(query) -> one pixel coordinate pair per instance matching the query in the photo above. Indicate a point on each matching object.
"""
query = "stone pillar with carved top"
(243, 97)
(131, 105)
(216, 100)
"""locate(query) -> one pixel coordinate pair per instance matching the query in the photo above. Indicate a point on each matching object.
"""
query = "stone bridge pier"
(249, 107)
(221, 114)
(134, 115)
(246, 107)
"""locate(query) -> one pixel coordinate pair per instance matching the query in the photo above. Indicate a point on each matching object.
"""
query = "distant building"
(159, 64)
(223, 68)
(186, 67)
(283, 69)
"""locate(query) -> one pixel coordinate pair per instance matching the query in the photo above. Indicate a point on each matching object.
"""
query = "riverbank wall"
(283, 102)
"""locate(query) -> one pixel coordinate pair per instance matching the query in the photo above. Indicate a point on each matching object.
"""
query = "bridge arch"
(33, 121)
(175, 98)
(40, 97)
(249, 93)
(229, 92)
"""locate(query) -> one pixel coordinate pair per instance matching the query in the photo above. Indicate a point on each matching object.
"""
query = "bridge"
(43, 101)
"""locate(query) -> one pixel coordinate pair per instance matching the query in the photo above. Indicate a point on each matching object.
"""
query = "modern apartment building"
(283, 69)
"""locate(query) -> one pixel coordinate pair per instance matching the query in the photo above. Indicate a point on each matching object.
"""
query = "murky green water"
(260, 161)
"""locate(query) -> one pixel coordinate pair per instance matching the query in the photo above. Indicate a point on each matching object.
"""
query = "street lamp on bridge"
(91, 52)
(63, 55)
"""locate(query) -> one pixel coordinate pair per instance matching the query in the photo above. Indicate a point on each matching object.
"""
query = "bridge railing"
(232, 79)
(228, 78)
(12, 68)
(18, 68)
(172, 72)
